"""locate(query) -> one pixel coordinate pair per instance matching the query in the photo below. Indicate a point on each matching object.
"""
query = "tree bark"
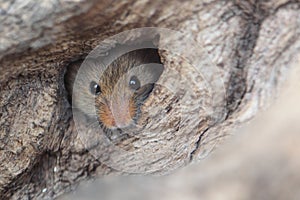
(261, 162)
(252, 43)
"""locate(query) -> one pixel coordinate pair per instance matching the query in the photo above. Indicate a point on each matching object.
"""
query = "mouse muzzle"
(123, 109)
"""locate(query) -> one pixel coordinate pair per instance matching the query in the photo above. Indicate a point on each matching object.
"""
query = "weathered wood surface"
(253, 43)
(260, 162)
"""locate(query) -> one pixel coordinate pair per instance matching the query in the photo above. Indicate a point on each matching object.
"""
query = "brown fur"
(117, 106)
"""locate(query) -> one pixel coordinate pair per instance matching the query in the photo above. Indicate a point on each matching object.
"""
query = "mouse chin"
(122, 126)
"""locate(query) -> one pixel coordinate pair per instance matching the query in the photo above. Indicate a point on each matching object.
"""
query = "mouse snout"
(121, 108)
(118, 112)
(123, 111)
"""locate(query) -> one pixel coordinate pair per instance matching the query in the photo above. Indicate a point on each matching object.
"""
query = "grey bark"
(253, 44)
(260, 162)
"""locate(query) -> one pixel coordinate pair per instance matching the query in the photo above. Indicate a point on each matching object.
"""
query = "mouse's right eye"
(95, 88)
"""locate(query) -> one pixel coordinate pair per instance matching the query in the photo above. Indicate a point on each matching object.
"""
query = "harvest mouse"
(114, 94)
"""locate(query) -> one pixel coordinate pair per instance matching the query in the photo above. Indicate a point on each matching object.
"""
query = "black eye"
(95, 88)
(134, 83)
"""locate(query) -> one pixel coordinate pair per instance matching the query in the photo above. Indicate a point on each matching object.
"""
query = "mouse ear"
(83, 99)
(156, 70)
(143, 93)
(150, 73)
(70, 76)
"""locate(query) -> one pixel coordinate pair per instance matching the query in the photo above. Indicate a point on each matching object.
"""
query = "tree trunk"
(252, 45)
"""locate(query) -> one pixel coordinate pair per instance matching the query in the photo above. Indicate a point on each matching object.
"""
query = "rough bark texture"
(253, 43)
(260, 162)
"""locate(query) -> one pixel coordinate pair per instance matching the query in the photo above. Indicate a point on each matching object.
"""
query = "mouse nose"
(123, 111)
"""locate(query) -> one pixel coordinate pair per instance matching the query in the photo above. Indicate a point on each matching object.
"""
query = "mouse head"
(116, 93)
(120, 95)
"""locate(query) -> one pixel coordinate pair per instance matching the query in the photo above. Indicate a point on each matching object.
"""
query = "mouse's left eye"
(95, 88)
(134, 83)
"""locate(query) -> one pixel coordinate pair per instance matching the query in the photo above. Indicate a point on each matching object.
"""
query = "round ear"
(143, 93)
(82, 98)
(148, 73)
(70, 77)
